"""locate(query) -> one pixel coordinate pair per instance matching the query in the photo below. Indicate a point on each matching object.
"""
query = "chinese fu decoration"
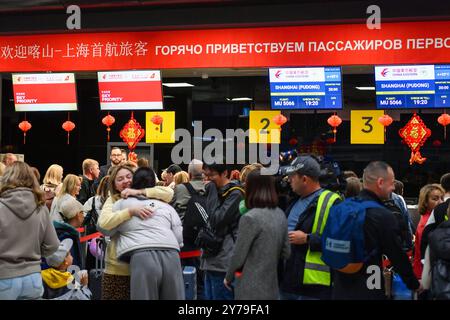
(279, 119)
(386, 121)
(444, 120)
(415, 133)
(108, 121)
(157, 120)
(131, 134)
(24, 126)
(334, 121)
(68, 126)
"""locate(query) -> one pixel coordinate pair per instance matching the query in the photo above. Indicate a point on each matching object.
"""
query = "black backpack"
(403, 228)
(440, 280)
(195, 216)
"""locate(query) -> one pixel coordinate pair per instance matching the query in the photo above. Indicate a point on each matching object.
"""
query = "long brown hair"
(103, 188)
(20, 175)
(114, 193)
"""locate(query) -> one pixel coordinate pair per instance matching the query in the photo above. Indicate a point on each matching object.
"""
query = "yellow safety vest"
(316, 271)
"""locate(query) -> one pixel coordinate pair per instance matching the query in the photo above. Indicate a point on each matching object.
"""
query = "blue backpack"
(343, 236)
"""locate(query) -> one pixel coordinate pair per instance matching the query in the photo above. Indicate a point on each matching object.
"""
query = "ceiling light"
(242, 99)
(365, 88)
(177, 85)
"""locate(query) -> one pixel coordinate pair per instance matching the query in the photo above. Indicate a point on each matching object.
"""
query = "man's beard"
(116, 164)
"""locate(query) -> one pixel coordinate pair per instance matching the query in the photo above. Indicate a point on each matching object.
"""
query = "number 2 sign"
(262, 127)
(365, 128)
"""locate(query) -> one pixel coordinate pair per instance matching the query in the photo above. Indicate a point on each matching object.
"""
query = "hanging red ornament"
(24, 126)
(330, 141)
(157, 119)
(415, 133)
(108, 121)
(132, 133)
(279, 119)
(68, 126)
(437, 143)
(132, 156)
(444, 120)
(334, 121)
(386, 121)
(293, 141)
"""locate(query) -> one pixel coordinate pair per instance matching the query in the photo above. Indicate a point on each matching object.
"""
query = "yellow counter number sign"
(163, 133)
(365, 128)
(262, 128)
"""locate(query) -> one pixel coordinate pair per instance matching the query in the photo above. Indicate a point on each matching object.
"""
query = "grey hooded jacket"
(26, 233)
(161, 231)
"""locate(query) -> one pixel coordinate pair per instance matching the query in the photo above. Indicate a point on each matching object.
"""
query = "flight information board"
(414, 86)
(306, 88)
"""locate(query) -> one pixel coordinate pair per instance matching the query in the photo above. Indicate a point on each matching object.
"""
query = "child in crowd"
(58, 282)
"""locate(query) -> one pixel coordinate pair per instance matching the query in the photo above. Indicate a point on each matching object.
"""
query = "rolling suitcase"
(190, 282)
(96, 275)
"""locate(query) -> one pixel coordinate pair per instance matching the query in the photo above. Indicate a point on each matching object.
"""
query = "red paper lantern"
(415, 133)
(444, 120)
(437, 143)
(279, 119)
(68, 126)
(24, 126)
(157, 119)
(293, 141)
(386, 121)
(108, 121)
(132, 133)
(334, 121)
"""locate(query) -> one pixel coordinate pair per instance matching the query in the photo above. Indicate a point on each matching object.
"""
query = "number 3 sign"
(365, 128)
(262, 127)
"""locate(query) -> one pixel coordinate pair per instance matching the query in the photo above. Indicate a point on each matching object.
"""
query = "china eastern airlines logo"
(278, 74)
(384, 72)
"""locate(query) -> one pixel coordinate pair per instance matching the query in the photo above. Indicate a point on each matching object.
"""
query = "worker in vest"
(305, 276)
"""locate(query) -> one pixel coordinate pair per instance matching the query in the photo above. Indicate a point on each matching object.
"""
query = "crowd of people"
(254, 241)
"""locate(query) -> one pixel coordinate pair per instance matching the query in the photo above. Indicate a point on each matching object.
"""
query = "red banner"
(394, 43)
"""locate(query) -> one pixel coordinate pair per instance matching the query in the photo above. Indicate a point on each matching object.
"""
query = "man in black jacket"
(91, 172)
(222, 205)
(299, 281)
(380, 237)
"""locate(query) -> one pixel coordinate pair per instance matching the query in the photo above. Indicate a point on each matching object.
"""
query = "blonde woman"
(181, 177)
(430, 196)
(70, 189)
(52, 180)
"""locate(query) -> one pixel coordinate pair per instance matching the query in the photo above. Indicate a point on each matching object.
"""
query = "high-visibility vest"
(316, 271)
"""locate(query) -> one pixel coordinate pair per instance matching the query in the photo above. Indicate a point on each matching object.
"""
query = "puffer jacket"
(162, 231)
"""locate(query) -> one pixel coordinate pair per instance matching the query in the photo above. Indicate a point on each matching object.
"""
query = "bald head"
(195, 169)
